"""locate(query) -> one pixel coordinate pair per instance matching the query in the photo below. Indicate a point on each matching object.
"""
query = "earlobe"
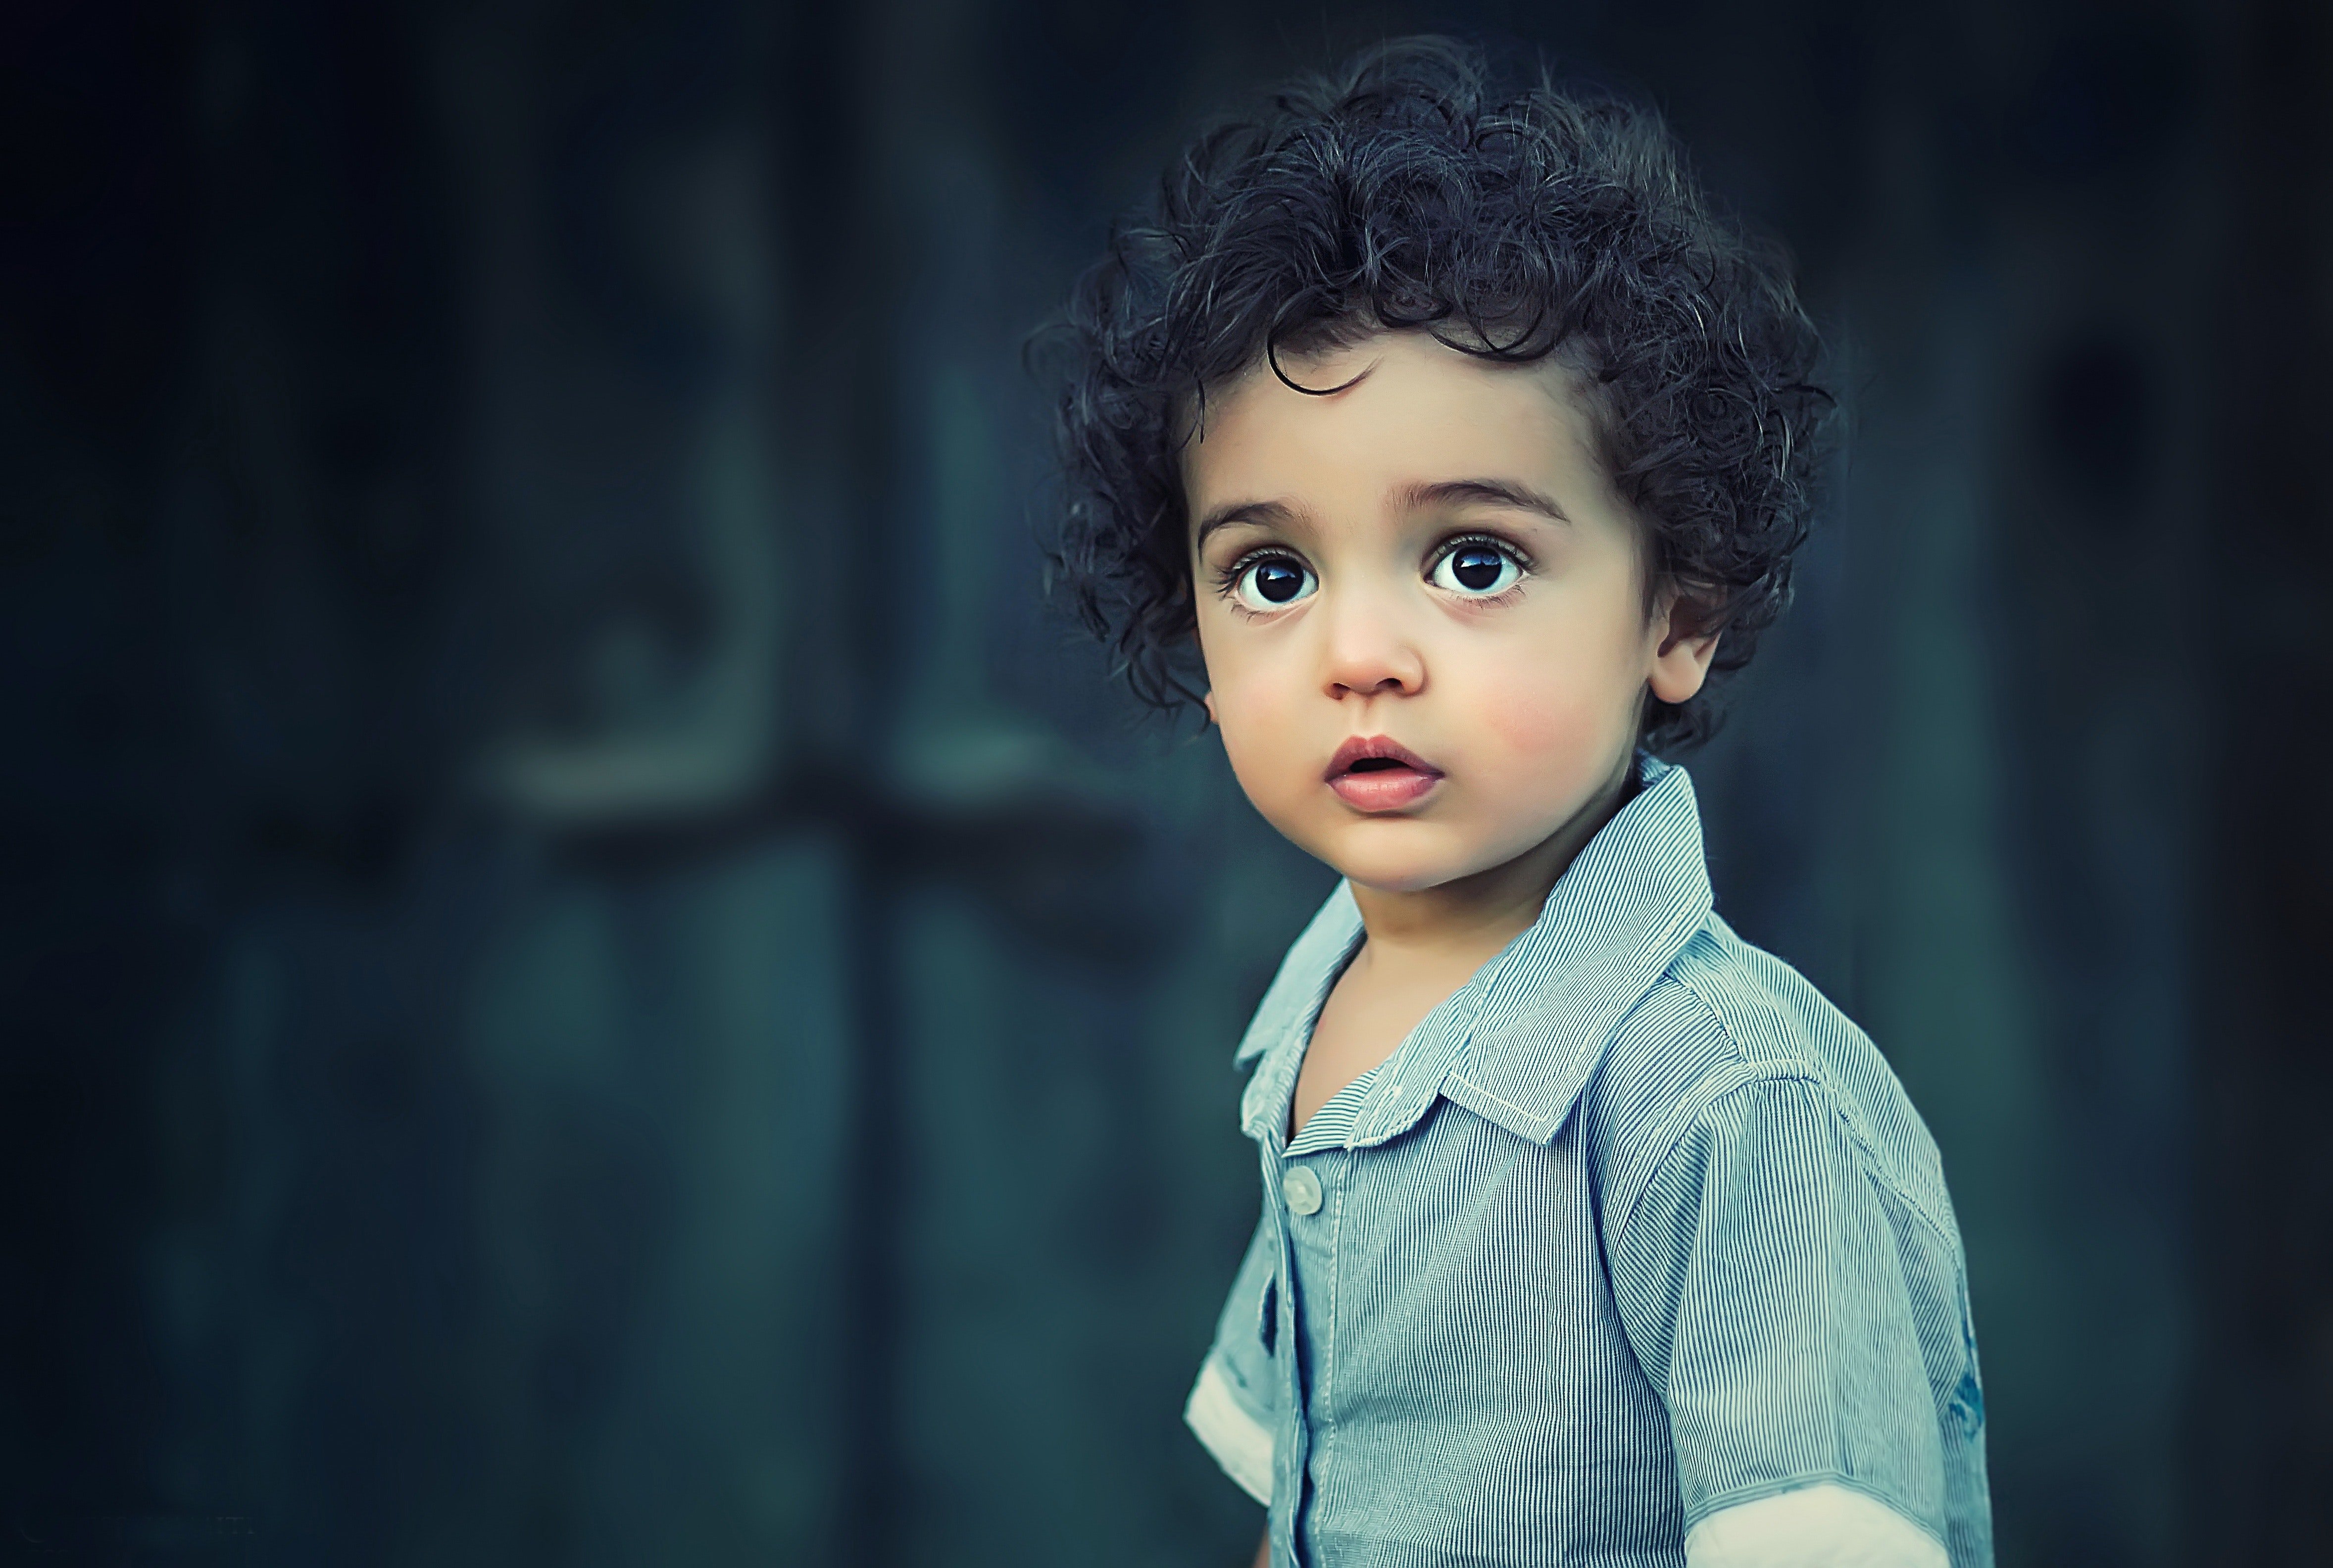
(1207, 701)
(1681, 663)
(1681, 666)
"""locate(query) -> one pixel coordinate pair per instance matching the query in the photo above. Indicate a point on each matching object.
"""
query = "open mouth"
(1376, 773)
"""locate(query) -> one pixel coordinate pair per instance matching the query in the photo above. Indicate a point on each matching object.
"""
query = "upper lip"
(1362, 748)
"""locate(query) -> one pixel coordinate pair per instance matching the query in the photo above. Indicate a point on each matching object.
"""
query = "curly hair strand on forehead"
(1407, 192)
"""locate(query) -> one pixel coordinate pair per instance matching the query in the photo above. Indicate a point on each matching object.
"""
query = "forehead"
(1398, 407)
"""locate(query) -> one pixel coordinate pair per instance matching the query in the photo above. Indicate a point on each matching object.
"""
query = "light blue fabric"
(1634, 1226)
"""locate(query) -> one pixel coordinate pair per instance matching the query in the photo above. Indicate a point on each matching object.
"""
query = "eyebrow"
(1412, 498)
(1259, 513)
(1497, 491)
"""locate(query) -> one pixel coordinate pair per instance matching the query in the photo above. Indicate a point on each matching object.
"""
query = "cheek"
(1559, 707)
(1254, 714)
(1541, 724)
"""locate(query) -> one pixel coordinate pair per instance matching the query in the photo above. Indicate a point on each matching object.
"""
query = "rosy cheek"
(1258, 737)
(1560, 695)
(1541, 727)
(1545, 737)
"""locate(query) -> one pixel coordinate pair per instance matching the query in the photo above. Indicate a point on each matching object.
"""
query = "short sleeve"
(1761, 1280)
(1234, 1404)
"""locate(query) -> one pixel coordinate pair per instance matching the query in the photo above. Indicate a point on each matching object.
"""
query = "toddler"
(1444, 445)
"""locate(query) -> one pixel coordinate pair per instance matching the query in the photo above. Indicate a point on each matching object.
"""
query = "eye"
(1476, 568)
(1271, 581)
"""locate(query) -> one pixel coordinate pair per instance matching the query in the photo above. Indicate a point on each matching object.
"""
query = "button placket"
(1290, 1442)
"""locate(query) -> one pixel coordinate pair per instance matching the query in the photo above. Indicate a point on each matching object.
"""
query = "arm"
(1232, 1407)
(1823, 1525)
(1787, 1308)
(1264, 1552)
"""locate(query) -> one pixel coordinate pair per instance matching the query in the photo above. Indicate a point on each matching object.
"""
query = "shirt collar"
(1517, 1043)
(1283, 1019)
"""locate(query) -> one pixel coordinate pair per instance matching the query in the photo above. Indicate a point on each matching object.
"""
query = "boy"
(1465, 446)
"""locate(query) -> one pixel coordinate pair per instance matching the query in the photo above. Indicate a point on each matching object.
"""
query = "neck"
(1470, 918)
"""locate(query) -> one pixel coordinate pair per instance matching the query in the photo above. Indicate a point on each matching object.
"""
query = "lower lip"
(1384, 789)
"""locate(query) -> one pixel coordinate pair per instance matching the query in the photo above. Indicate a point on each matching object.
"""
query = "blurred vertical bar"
(839, 356)
(2259, 1440)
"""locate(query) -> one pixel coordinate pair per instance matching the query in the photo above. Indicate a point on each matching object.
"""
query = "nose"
(1369, 652)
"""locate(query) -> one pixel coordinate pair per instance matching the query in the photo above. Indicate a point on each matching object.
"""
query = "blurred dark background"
(591, 977)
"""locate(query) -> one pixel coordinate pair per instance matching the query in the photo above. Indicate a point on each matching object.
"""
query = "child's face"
(1432, 563)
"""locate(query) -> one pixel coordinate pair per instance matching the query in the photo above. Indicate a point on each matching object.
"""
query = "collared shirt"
(1634, 1238)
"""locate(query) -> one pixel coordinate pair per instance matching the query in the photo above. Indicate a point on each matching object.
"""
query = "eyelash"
(1449, 547)
(1226, 577)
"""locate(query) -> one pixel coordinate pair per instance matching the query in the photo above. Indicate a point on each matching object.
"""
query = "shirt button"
(1302, 1190)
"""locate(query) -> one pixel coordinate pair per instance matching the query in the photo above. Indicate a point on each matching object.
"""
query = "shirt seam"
(1684, 1119)
(1524, 1112)
(1670, 1144)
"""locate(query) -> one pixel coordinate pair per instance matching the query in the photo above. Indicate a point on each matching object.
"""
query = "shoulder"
(1729, 1028)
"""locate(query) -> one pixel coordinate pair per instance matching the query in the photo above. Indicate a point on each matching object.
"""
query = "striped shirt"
(1634, 1253)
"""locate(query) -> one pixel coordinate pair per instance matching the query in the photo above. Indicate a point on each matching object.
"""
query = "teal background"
(591, 977)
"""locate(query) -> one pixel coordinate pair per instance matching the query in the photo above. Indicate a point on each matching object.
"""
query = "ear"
(1207, 701)
(1682, 654)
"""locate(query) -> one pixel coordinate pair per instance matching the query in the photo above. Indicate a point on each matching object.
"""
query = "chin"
(1396, 867)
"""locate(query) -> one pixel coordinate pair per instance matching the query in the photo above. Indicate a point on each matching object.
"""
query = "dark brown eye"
(1277, 582)
(1273, 582)
(1475, 569)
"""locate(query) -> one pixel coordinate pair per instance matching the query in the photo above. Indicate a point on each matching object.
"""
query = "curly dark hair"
(1408, 191)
